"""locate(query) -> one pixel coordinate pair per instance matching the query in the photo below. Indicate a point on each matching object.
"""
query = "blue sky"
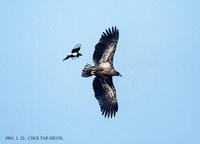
(157, 54)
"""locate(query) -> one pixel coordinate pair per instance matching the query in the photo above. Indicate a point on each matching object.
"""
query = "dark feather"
(67, 57)
(105, 93)
(105, 48)
(75, 50)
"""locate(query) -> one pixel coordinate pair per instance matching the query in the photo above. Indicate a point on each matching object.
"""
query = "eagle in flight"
(74, 52)
(103, 70)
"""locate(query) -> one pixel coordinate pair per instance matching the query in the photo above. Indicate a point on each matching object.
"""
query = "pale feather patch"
(105, 65)
(110, 90)
(108, 52)
(75, 54)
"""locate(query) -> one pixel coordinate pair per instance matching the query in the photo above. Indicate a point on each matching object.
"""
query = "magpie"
(74, 52)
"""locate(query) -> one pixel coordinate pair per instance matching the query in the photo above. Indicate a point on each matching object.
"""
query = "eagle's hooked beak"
(119, 75)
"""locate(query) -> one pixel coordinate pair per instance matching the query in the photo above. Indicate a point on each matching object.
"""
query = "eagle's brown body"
(104, 70)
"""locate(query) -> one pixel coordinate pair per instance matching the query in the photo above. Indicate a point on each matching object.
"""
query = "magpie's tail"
(67, 57)
(87, 71)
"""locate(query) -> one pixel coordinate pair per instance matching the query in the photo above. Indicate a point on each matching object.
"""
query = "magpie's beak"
(120, 75)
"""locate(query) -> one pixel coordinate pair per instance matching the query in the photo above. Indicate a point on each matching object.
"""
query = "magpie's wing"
(76, 48)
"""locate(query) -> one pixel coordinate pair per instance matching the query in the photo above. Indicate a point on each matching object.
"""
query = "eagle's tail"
(86, 72)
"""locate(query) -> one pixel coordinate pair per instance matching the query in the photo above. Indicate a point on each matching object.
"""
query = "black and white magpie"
(74, 52)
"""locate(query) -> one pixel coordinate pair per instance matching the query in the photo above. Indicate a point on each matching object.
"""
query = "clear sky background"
(158, 55)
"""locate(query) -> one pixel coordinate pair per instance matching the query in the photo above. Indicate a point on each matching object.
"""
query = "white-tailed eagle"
(104, 70)
(74, 52)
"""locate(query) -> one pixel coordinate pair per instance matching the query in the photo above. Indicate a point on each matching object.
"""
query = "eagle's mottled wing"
(105, 48)
(105, 93)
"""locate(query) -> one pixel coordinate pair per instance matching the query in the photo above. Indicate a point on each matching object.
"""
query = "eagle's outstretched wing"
(105, 48)
(105, 93)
